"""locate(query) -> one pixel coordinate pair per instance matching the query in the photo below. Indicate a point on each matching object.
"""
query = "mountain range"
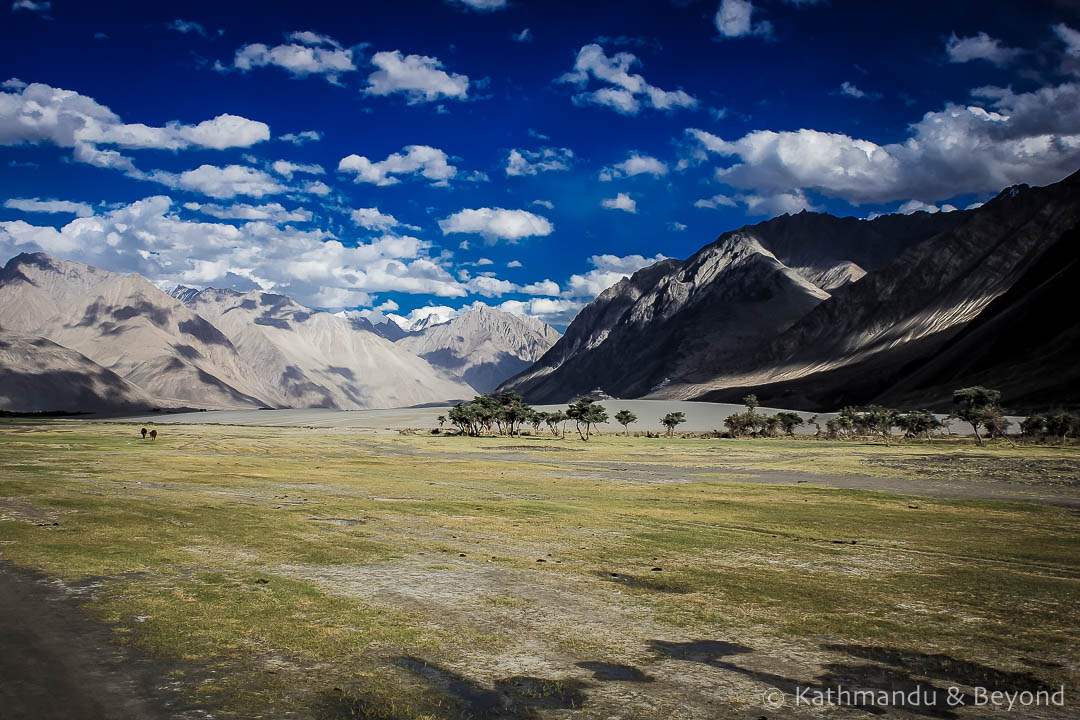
(78, 338)
(813, 312)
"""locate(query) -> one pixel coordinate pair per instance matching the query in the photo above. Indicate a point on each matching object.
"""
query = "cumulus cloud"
(313, 266)
(221, 182)
(625, 92)
(772, 204)
(676, 226)
(497, 224)
(49, 206)
(1070, 37)
(270, 212)
(287, 169)
(554, 311)
(622, 201)
(979, 47)
(711, 203)
(489, 286)
(302, 138)
(607, 270)
(913, 206)
(418, 77)
(733, 19)
(308, 54)
(528, 162)
(1031, 137)
(38, 113)
(543, 287)
(851, 90)
(372, 219)
(429, 162)
(634, 164)
(514, 264)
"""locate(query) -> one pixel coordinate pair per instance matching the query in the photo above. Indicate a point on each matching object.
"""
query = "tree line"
(507, 413)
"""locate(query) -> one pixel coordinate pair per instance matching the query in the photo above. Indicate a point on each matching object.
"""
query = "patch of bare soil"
(57, 664)
(988, 468)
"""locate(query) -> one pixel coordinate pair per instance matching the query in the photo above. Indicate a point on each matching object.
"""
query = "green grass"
(182, 529)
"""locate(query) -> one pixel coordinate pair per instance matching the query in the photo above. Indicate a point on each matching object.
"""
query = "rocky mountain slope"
(37, 375)
(892, 331)
(695, 318)
(129, 326)
(315, 359)
(484, 346)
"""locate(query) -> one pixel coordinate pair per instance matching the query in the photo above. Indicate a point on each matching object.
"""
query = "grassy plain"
(329, 573)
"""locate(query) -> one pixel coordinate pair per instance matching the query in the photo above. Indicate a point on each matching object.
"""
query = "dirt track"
(57, 664)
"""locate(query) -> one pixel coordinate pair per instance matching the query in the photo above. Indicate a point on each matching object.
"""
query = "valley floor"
(232, 571)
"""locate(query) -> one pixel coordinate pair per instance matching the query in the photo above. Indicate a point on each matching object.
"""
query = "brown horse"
(153, 435)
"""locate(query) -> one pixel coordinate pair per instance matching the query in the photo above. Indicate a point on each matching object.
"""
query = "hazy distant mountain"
(37, 375)
(484, 346)
(129, 326)
(677, 320)
(315, 359)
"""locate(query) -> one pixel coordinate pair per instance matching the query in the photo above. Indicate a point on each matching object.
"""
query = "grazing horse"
(143, 431)
(153, 434)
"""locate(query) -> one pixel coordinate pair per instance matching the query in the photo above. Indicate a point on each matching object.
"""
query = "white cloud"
(312, 266)
(186, 26)
(542, 287)
(979, 47)
(490, 286)
(526, 162)
(314, 39)
(525, 36)
(849, 89)
(30, 5)
(496, 223)
(607, 270)
(553, 311)
(308, 54)
(287, 169)
(514, 264)
(714, 202)
(1029, 138)
(315, 187)
(1070, 37)
(676, 226)
(634, 164)
(418, 77)
(301, 138)
(773, 204)
(544, 204)
(221, 182)
(49, 206)
(430, 162)
(622, 201)
(13, 84)
(270, 212)
(733, 19)
(38, 113)
(372, 219)
(625, 92)
(912, 206)
(483, 5)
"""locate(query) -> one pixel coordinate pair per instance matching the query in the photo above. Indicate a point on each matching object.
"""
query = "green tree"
(736, 424)
(769, 425)
(880, 420)
(554, 419)
(586, 413)
(625, 418)
(918, 422)
(751, 403)
(1033, 426)
(672, 420)
(1061, 423)
(815, 421)
(972, 404)
(790, 421)
(441, 420)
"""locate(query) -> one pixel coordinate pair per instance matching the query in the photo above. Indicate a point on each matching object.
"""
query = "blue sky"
(423, 155)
